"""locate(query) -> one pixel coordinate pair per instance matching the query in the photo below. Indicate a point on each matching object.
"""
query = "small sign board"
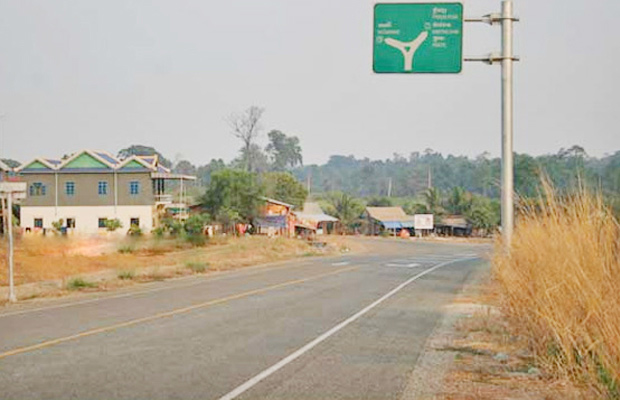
(16, 189)
(423, 221)
(418, 38)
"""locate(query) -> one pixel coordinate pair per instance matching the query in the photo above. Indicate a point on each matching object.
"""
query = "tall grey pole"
(12, 297)
(507, 124)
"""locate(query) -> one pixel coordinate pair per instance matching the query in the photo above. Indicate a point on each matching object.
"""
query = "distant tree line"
(412, 176)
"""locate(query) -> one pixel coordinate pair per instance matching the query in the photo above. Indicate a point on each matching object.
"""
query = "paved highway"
(350, 327)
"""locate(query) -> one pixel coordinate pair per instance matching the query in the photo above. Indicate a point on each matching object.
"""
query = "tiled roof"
(388, 214)
(107, 156)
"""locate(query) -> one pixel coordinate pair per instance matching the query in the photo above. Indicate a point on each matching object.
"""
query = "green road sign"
(418, 38)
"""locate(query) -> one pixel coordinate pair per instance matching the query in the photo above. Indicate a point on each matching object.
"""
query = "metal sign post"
(11, 191)
(507, 58)
(427, 38)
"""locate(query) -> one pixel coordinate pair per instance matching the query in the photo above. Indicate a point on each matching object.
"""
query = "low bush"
(126, 275)
(198, 267)
(80, 283)
(126, 249)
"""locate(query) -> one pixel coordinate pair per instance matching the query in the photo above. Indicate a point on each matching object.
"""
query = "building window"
(70, 188)
(103, 188)
(38, 222)
(102, 222)
(134, 222)
(134, 188)
(37, 189)
(71, 223)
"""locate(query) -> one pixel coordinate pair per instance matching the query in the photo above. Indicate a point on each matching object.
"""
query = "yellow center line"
(171, 313)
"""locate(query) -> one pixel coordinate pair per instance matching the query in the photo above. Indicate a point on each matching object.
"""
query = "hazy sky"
(107, 74)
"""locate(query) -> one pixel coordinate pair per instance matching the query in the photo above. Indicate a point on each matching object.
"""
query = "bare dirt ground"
(52, 267)
(474, 354)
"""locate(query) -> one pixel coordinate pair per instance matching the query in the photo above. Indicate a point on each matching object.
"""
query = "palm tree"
(432, 197)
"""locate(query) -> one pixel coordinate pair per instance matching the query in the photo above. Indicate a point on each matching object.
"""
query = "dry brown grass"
(561, 287)
(52, 258)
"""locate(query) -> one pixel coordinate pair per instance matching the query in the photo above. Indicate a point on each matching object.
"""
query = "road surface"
(349, 327)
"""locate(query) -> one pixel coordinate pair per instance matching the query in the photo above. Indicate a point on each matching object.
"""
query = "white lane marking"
(341, 264)
(410, 265)
(301, 351)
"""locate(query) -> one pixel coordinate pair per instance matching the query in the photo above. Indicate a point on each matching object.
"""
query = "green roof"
(36, 165)
(85, 160)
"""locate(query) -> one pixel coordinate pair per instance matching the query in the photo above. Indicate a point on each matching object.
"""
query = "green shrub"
(126, 275)
(80, 283)
(198, 267)
(57, 225)
(113, 224)
(126, 249)
(135, 231)
(159, 232)
(196, 239)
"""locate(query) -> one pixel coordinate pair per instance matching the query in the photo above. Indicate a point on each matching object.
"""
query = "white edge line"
(292, 357)
(341, 264)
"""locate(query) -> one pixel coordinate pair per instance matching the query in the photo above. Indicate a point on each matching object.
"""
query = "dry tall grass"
(561, 280)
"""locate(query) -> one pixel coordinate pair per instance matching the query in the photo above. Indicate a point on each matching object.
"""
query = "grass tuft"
(126, 275)
(197, 267)
(560, 282)
(126, 249)
(80, 283)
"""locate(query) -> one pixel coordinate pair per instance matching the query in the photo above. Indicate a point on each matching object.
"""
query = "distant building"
(453, 225)
(89, 188)
(275, 218)
(313, 219)
(388, 219)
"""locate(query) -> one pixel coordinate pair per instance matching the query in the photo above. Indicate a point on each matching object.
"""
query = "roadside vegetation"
(560, 283)
(77, 264)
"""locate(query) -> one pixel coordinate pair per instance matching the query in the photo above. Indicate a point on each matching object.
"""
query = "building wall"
(87, 189)
(87, 217)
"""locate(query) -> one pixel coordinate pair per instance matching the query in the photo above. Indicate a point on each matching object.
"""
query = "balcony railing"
(163, 198)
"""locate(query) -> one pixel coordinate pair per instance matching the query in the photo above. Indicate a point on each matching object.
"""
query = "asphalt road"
(350, 327)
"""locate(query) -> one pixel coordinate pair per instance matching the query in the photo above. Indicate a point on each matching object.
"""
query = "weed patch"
(198, 267)
(79, 284)
(126, 275)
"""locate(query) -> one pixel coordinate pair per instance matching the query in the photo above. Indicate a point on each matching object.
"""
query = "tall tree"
(140, 150)
(459, 201)
(284, 187)
(284, 151)
(185, 167)
(346, 208)
(246, 126)
(233, 193)
(254, 156)
(432, 196)
(204, 171)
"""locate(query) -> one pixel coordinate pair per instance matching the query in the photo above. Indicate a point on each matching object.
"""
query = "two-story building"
(89, 188)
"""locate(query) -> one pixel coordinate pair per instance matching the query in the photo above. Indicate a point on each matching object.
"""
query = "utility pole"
(11, 191)
(389, 191)
(507, 59)
(429, 178)
(12, 297)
